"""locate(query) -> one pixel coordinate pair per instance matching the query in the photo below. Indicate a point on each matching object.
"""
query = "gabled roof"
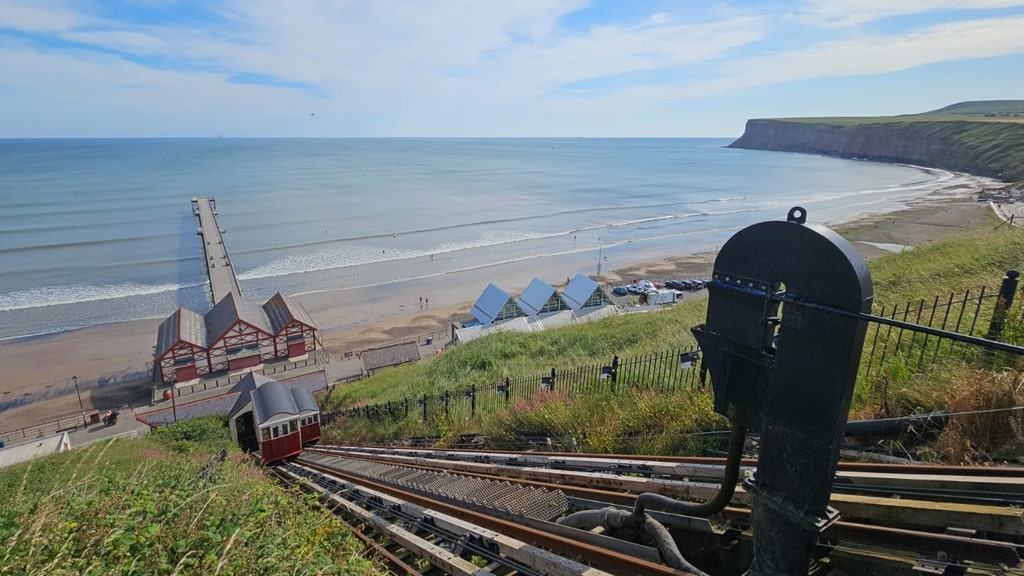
(244, 387)
(520, 324)
(539, 297)
(280, 310)
(495, 304)
(182, 326)
(304, 401)
(272, 403)
(229, 311)
(553, 320)
(393, 355)
(579, 292)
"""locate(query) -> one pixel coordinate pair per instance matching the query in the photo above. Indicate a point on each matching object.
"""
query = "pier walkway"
(218, 263)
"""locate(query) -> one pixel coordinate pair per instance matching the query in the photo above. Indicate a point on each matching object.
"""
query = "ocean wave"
(456, 226)
(350, 256)
(80, 243)
(73, 294)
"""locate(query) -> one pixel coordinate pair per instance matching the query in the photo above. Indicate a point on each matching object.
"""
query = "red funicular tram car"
(276, 419)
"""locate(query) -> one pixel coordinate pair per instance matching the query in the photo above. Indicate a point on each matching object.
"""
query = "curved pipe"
(613, 519)
(737, 438)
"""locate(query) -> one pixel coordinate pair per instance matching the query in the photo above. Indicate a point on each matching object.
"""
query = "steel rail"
(684, 481)
(438, 555)
(911, 469)
(597, 556)
(977, 549)
(397, 565)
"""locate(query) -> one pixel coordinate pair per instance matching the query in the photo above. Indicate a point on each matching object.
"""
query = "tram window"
(266, 434)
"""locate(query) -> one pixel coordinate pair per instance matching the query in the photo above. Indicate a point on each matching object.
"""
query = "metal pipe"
(737, 438)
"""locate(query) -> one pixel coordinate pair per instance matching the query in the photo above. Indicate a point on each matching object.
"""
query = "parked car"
(633, 289)
(620, 291)
(645, 285)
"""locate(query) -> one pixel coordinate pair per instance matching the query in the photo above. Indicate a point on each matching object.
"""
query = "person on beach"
(427, 302)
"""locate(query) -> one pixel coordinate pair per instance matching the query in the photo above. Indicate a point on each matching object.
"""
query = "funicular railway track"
(443, 534)
(888, 534)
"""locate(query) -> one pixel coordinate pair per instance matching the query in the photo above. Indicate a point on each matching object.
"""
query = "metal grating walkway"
(517, 499)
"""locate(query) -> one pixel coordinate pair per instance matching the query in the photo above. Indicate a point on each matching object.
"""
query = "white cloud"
(41, 16)
(855, 12)
(440, 67)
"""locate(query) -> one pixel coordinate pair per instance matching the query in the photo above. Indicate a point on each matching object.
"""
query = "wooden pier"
(218, 263)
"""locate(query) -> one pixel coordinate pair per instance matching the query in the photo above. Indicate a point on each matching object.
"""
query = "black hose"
(737, 438)
(614, 519)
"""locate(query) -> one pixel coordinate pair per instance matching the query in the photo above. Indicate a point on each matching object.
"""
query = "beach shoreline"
(110, 359)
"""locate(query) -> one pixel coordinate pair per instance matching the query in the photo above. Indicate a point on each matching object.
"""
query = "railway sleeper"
(469, 539)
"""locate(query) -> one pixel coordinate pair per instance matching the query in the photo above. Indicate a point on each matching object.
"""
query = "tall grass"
(142, 506)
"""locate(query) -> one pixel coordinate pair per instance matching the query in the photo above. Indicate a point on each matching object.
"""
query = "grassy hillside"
(644, 421)
(146, 506)
(983, 111)
(1007, 108)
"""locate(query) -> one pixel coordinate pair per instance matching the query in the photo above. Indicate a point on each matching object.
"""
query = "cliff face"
(993, 149)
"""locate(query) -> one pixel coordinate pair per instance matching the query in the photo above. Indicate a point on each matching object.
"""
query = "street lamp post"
(74, 379)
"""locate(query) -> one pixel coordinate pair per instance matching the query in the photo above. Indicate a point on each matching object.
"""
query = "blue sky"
(181, 68)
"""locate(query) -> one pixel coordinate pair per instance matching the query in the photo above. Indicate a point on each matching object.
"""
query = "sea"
(102, 231)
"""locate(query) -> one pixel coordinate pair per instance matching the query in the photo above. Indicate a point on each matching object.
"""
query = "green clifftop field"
(984, 138)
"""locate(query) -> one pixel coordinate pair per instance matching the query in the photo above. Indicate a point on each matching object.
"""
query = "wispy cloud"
(435, 67)
(855, 12)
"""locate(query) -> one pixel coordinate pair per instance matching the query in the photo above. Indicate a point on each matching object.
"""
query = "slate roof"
(243, 388)
(520, 324)
(202, 330)
(272, 403)
(394, 355)
(553, 320)
(537, 296)
(579, 290)
(229, 401)
(228, 312)
(280, 310)
(491, 305)
(182, 326)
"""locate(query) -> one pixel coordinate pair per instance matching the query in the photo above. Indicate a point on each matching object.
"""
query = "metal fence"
(666, 372)
(979, 312)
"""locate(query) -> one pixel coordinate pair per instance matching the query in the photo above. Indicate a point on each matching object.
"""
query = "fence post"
(1003, 304)
(424, 407)
(472, 398)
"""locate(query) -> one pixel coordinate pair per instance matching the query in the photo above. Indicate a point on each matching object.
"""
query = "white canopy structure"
(582, 292)
(494, 305)
(540, 297)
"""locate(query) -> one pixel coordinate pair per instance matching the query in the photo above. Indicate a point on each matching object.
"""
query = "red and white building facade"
(235, 334)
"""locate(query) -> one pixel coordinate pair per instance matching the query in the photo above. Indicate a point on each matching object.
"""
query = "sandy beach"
(111, 361)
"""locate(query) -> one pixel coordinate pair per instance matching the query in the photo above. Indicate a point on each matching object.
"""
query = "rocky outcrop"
(993, 149)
